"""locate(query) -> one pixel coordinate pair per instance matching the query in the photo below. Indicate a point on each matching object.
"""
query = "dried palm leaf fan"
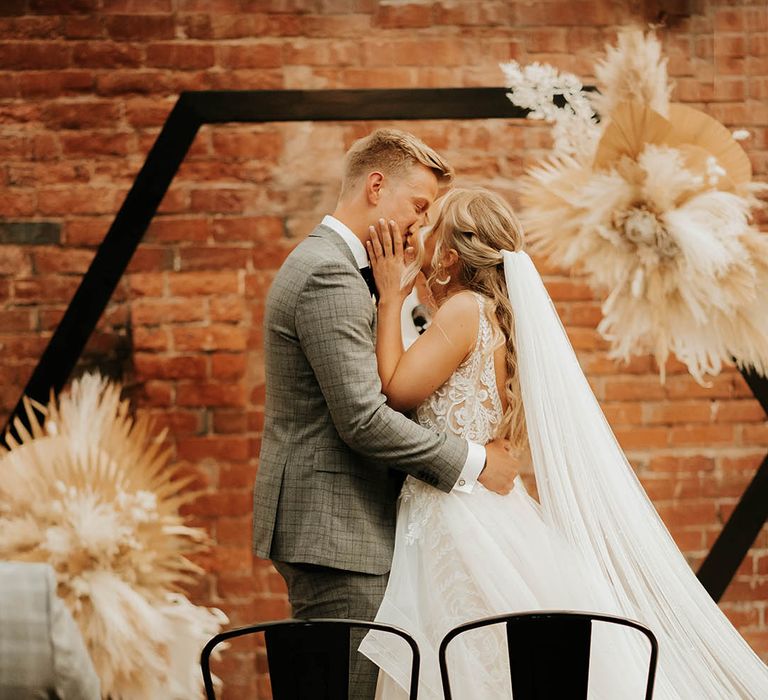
(658, 218)
(93, 494)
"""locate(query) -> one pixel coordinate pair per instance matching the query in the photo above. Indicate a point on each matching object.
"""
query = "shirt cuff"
(472, 468)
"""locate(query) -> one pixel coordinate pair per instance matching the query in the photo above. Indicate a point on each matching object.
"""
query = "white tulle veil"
(589, 491)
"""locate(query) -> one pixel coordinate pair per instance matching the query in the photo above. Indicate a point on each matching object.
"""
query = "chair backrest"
(534, 639)
(308, 658)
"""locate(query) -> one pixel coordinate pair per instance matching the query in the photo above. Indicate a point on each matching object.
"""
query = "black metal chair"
(535, 638)
(308, 658)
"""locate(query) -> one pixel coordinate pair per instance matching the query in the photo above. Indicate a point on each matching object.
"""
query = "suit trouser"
(319, 591)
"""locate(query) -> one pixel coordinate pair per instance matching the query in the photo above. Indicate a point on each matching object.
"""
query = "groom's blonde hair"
(392, 152)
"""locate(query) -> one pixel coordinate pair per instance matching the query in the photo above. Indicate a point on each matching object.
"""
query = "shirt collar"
(357, 248)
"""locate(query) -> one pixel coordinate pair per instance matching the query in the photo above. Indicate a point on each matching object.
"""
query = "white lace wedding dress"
(460, 557)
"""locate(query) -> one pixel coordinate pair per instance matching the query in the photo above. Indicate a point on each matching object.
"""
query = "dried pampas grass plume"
(658, 217)
(92, 494)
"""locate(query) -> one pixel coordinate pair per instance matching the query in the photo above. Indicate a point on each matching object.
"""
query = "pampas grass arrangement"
(92, 494)
(653, 204)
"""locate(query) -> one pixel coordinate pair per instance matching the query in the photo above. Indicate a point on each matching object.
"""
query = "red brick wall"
(85, 86)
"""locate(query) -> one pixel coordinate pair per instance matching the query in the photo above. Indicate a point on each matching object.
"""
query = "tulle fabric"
(594, 542)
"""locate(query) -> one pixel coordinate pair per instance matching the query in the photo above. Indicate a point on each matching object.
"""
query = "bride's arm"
(408, 377)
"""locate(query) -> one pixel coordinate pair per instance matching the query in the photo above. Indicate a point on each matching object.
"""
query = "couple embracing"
(422, 521)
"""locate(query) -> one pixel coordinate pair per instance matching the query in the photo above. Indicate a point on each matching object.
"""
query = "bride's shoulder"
(460, 314)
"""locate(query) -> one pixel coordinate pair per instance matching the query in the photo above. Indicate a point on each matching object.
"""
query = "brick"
(405, 15)
(77, 200)
(270, 255)
(157, 394)
(729, 20)
(245, 145)
(755, 434)
(221, 200)
(187, 284)
(92, 144)
(136, 6)
(107, 54)
(220, 448)
(230, 503)
(623, 413)
(153, 312)
(685, 387)
(44, 289)
(214, 258)
(238, 476)
(228, 586)
(229, 422)
(747, 411)
(153, 366)
(676, 412)
(263, 55)
(210, 394)
(709, 435)
(146, 284)
(15, 320)
(212, 338)
(679, 463)
(247, 229)
(642, 438)
(14, 260)
(62, 260)
(688, 513)
(633, 388)
(177, 422)
(180, 55)
(150, 339)
(16, 203)
(748, 462)
(228, 309)
(228, 365)
(80, 115)
(80, 27)
(67, 82)
(140, 27)
(236, 531)
(29, 55)
(30, 232)
(148, 258)
(177, 230)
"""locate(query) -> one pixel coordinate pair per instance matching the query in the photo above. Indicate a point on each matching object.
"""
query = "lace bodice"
(468, 404)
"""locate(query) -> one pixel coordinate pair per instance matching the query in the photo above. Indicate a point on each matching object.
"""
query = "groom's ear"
(373, 186)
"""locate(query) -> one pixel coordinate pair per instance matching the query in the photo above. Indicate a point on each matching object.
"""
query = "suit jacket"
(333, 454)
(42, 654)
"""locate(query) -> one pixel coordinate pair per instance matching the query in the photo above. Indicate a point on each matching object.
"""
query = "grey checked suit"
(42, 654)
(333, 454)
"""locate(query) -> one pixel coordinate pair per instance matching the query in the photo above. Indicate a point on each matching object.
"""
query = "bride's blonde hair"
(479, 224)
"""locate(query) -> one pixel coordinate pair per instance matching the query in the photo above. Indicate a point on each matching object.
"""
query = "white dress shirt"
(476, 454)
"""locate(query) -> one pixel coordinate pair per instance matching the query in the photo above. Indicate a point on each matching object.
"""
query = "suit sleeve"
(333, 320)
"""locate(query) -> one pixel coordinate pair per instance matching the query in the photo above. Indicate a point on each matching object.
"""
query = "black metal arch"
(191, 111)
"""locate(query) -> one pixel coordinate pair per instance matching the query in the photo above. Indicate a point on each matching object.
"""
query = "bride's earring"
(443, 281)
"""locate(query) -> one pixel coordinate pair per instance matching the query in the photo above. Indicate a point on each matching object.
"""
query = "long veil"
(589, 491)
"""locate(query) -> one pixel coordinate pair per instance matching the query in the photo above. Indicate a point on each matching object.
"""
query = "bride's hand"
(385, 251)
(502, 466)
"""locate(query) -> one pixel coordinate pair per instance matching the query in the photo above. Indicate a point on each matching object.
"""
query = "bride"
(496, 362)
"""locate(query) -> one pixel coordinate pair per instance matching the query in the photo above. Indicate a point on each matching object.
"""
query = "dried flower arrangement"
(92, 494)
(653, 203)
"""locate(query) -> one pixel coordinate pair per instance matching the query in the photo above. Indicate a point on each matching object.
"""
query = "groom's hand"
(502, 465)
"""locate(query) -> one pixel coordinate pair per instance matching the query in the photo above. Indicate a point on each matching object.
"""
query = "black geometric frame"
(191, 111)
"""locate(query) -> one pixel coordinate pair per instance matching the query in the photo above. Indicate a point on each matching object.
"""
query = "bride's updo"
(479, 224)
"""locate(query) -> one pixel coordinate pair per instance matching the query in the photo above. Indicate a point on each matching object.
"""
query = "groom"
(333, 454)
